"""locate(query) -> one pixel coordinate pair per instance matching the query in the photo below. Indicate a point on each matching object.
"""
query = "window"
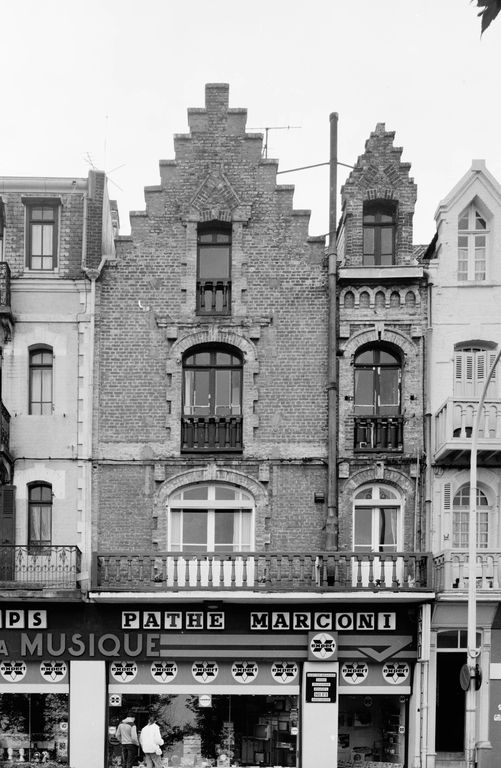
(471, 368)
(212, 399)
(379, 233)
(472, 242)
(39, 515)
(42, 231)
(41, 365)
(461, 516)
(214, 270)
(377, 520)
(211, 518)
(378, 424)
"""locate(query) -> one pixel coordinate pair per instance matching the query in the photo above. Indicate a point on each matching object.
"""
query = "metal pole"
(473, 651)
(332, 527)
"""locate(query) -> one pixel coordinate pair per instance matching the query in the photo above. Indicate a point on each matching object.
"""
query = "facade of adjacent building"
(190, 523)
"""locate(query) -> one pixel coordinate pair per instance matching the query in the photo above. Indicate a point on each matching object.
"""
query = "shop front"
(289, 685)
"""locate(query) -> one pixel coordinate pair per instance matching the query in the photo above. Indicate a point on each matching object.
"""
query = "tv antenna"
(89, 160)
(268, 128)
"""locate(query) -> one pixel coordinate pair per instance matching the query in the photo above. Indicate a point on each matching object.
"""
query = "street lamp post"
(473, 651)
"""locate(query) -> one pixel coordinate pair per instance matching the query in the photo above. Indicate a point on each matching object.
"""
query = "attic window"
(379, 233)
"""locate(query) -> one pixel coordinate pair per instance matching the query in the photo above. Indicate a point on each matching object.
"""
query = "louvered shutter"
(447, 496)
(7, 532)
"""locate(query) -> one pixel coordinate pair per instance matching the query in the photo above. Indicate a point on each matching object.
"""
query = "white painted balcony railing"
(451, 570)
(454, 422)
(257, 571)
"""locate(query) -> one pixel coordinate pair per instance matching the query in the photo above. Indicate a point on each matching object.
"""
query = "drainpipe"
(332, 525)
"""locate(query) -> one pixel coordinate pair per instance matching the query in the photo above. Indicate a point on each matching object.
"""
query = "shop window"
(379, 233)
(34, 729)
(239, 729)
(461, 516)
(472, 244)
(39, 516)
(378, 423)
(41, 378)
(42, 223)
(214, 269)
(212, 400)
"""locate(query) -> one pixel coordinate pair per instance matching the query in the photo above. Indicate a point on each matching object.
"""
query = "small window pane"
(198, 492)
(369, 218)
(224, 531)
(194, 528)
(463, 221)
(36, 239)
(225, 492)
(223, 358)
(385, 219)
(363, 529)
(366, 358)
(389, 389)
(364, 391)
(385, 358)
(368, 241)
(386, 240)
(479, 221)
(214, 262)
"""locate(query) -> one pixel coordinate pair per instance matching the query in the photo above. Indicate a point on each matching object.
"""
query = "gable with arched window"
(473, 235)
(212, 399)
(377, 399)
(379, 219)
(41, 362)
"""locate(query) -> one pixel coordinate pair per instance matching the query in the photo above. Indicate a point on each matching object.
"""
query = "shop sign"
(366, 621)
(321, 688)
(322, 646)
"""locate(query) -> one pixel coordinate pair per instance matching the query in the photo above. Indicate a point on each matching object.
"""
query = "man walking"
(126, 734)
(151, 741)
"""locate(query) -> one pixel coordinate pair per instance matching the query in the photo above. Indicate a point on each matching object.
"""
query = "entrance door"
(450, 711)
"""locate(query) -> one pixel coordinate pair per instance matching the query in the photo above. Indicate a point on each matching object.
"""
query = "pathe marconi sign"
(111, 632)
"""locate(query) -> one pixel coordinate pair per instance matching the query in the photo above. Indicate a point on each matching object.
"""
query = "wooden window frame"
(32, 367)
(215, 289)
(378, 209)
(50, 204)
(36, 545)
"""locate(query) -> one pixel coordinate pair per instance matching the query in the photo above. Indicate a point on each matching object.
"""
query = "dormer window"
(472, 244)
(379, 233)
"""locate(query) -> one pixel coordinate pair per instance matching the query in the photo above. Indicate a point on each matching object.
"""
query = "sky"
(106, 84)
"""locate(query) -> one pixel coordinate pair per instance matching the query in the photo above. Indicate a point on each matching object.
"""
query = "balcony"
(39, 568)
(453, 428)
(260, 572)
(451, 571)
(213, 297)
(221, 434)
(6, 316)
(379, 433)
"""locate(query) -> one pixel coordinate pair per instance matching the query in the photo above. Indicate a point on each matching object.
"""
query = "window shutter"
(447, 496)
(492, 357)
(7, 514)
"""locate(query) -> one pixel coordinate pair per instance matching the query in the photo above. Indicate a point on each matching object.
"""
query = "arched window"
(461, 516)
(214, 269)
(211, 517)
(377, 519)
(40, 384)
(39, 515)
(472, 244)
(212, 399)
(379, 233)
(378, 425)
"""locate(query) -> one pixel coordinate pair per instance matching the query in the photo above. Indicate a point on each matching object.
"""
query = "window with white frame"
(211, 517)
(42, 229)
(377, 519)
(471, 368)
(472, 244)
(461, 516)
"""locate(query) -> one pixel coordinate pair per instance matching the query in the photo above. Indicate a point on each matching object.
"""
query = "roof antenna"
(268, 128)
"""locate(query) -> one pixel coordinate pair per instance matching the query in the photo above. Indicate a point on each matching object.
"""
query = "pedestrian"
(126, 734)
(151, 741)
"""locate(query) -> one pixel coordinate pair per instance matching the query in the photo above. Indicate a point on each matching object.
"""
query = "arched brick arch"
(213, 335)
(207, 474)
(389, 476)
(392, 336)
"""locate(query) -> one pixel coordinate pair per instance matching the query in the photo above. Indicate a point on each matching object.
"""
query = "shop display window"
(372, 731)
(201, 731)
(34, 730)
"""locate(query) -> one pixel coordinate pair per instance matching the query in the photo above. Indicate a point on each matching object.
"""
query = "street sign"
(321, 688)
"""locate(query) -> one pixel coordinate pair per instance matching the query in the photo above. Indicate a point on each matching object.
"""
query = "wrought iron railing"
(46, 566)
(4, 285)
(454, 421)
(262, 571)
(4, 426)
(451, 570)
(213, 297)
(211, 433)
(379, 433)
